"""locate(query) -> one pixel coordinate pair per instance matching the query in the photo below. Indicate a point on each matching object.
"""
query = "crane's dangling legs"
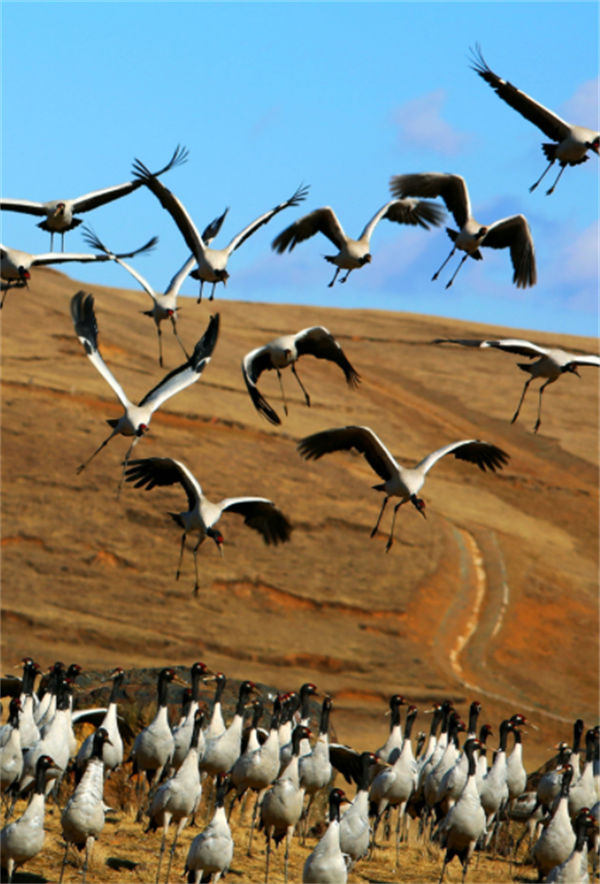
(539, 414)
(383, 505)
(285, 408)
(535, 184)
(297, 376)
(562, 169)
(453, 277)
(516, 414)
(388, 545)
(439, 270)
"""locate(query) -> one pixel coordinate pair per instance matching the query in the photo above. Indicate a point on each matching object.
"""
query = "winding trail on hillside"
(481, 592)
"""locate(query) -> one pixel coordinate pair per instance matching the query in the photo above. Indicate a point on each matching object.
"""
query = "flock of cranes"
(467, 810)
(445, 793)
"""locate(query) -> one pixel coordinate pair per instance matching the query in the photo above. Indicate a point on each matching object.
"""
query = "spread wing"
(323, 221)
(261, 515)
(549, 122)
(86, 329)
(451, 188)
(28, 207)
(151, 472)
(106, 195)
(514, 233)
(297, 197)
(190, 371)
(406, 211)
(362, 439)
(482, 454)
(253, 365)
(511, 345)
(319, 342)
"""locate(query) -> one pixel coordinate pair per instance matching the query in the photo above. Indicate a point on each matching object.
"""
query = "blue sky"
(337, 95)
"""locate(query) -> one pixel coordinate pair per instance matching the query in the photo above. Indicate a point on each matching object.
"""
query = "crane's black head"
(222, 276)
(419, 504)
(570, 367)
(595, 145)
(143, 428)
(24, 274)
(366, 259)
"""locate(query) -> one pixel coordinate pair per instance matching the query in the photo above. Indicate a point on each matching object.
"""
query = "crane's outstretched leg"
(344, 278)
(89, 843)
(516, 414)
(562, 169)
(297, 376)
(200, 292)
(195, 553)
(329, 284)
(439, 270)
(535, 184)
(268, 855)
(285, 408)
(453, 277)
(126, 462)
(181, 548)
(166, 820)
(173, 845)
(388, 545)
(383, 505)
(180, 342)
(82, 466)
(160, 355)
(539, 415)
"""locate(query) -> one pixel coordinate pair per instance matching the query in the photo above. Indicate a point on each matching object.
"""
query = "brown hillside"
(493, 597)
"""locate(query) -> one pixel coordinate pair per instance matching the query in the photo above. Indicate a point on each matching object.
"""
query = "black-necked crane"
(281, 806)
(392, 746)
(570, 144)
(15, 265)
(464, 823)
(573, 870)
(28, 728)
(112, 750)
(212, 263)
(259, 513)
(583, 790)
(221, 753)
(82, 820)
(211, 851)
(557, 838)
(135, 420)
(511, 233)
(153, 746)
(355, 829)
(493, 790)
(60, 213)
(216, 723)
(355, 253)
(286, 350)
(56, 742)
(551, 363)
(314, 767)
(11, 756)
(178, 797)
(326, 864)
(182, 733)
(399, 481)
(23, 839)
(164, 305)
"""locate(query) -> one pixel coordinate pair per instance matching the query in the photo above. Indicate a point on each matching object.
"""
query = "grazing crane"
(286, 350)
(178, 797)
(464, 823)
(164, 306)
(569, 145)
(281, 806)
(212, 263)
(398, 481)
(211, 851)
(259, 513)
(509, 233)
(326, 864)
(15, 264)
(551, 363)
(23, 839)
(60, 213)
(82, 820)
(136, 418)
(355, 253)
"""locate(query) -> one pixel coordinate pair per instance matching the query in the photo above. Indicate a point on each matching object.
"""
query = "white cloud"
(421, 125)
(582, 107)
(578, 259)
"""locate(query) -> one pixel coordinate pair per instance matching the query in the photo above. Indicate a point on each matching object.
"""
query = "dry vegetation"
(494, 597)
